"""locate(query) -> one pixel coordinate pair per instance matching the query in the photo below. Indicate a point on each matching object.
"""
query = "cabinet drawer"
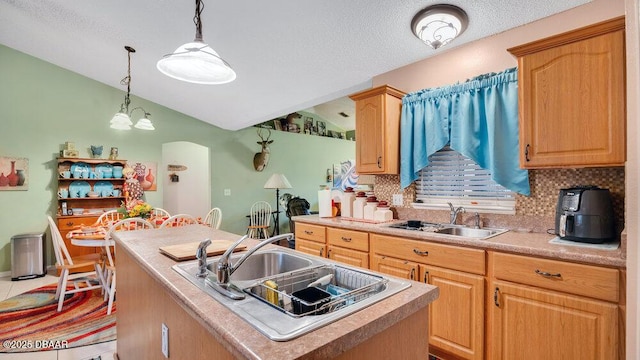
(349, 257)
(446, 256)
(586, 280)
(69, 223)
(356, 240)
(310, 232)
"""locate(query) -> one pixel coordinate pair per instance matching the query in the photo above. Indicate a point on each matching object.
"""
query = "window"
(454, 178)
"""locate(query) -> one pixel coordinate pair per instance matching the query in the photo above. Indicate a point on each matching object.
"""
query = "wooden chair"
(213, 218)
(160, 213)
(178, 220)
(259, 220)
(109, 218)
(110, 266)
(64, 261)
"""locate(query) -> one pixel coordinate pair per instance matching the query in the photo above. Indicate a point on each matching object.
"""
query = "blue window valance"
(478, 118)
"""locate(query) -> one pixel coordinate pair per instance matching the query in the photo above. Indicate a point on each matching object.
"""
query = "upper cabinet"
(378, 130)
(572, 98)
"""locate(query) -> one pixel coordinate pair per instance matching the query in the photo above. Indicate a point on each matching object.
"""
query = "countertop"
(237, 336)
(525, 243)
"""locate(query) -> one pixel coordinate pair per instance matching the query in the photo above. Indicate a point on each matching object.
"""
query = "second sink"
(470, 232)
(261, 265)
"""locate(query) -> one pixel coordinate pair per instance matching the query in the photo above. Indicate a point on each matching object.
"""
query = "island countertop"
(524, 243)
(238, 337)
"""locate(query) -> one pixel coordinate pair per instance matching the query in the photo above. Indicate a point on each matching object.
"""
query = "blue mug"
(117, 172)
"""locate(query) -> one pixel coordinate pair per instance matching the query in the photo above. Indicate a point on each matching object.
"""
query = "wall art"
(146, 174)
(14, 173)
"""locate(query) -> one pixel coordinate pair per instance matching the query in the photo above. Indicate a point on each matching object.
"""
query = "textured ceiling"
(289, 55)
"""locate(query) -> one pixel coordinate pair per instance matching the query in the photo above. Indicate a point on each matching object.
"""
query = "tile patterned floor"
(10, 288)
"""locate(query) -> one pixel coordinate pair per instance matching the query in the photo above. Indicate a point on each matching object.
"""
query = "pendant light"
(122, 119)
(437, 25)
(196, 62)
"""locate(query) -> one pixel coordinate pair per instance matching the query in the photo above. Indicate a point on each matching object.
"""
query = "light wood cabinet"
(311, 247)
(348, 246)
(457, 318)
(542, 308)
(572, 98)
(530, 323)
(311, 239)
(378, 130)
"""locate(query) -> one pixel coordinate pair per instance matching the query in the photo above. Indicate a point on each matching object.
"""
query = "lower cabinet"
(348, 256)
(456, 319)
(530, 323)
(311, 247)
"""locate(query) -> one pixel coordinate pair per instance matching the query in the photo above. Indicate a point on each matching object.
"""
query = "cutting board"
(181, 252)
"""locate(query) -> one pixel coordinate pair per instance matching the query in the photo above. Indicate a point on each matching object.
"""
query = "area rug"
(29, 322)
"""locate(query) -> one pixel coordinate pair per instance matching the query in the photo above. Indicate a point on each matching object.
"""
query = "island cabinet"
(311, 239)
(456, 319)
(571, 98)
(548, 309)
(348, 246)
(378, 130)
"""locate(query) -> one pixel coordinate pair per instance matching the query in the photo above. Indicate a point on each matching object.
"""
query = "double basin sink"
(272, 277)
(451, 230)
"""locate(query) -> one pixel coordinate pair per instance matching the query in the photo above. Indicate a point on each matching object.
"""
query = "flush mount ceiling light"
(437, 25)
(196, 62)
(122, 119)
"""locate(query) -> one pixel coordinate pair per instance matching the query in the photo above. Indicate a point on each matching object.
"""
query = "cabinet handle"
(495, 296)
(308, 232)
(426, 277)
(346, 239)
(329, 254)
(422, 253)
(379, 162)
(526, 153)
(70, 223)
(548, 275)
(321, 252)
(413, 273)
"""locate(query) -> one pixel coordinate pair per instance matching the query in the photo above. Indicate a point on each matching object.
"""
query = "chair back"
(109, 218)
(160, 213)
(214, 218)
(128, 224)
(260, 214)
(296, 206)
(59, 248)
(178, 220)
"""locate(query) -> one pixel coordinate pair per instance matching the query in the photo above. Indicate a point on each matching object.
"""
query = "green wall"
(43, 105)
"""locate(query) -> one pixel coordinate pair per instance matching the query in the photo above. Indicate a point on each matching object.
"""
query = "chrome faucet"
(225, 269)
(477, 221)
(454, 212)
(201, 255)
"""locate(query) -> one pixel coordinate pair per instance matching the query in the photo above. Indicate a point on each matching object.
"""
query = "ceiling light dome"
(196, 62)
(437, 25)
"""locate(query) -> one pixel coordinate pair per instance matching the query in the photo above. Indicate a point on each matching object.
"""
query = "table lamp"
(277, 181)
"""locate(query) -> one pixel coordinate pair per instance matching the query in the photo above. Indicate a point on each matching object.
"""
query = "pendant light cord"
(196, 20)
(127, 79)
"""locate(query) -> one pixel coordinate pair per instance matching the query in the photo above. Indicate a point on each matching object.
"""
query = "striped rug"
(29, 322)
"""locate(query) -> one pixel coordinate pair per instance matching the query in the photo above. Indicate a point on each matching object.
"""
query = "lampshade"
(277, 181)
(144, 124)
(196, 62)
(437, 25)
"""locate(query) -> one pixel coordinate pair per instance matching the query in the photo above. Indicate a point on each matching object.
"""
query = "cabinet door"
(572, 99)
(529, 323)
(396, 267)
(310, 247)
(456, 318)
(378, 130)
(349, 257)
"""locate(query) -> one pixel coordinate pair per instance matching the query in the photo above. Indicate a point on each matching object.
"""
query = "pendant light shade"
(196, 62)
(437, 25)
(122, 119)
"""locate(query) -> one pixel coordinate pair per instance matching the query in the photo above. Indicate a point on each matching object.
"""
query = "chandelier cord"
(196, 19)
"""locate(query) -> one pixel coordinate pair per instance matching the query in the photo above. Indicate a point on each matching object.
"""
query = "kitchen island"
(151, 293)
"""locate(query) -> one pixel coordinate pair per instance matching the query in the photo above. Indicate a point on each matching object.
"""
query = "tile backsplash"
(533, 213)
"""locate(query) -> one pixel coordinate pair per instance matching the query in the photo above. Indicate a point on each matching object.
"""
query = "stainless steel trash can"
(27, 256)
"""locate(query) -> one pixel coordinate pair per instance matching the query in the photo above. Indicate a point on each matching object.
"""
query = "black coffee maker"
(585, 214)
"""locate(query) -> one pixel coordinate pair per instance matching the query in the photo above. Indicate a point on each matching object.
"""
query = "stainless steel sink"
(264, 264)
(470, 232)
(271, 311)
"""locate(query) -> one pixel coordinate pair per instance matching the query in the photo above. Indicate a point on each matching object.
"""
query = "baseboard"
(5, 274)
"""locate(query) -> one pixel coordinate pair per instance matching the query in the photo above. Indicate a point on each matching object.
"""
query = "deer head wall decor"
(261, 159)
